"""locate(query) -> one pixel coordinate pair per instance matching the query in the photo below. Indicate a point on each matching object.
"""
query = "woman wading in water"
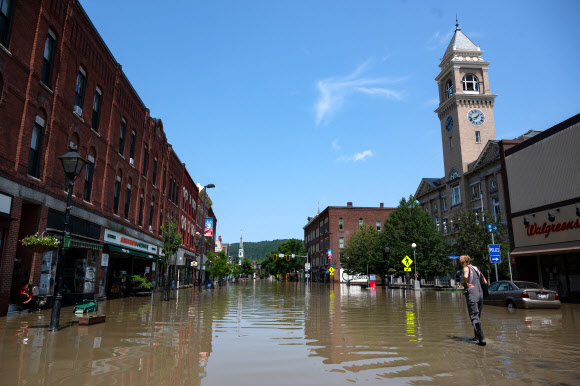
(474, 297)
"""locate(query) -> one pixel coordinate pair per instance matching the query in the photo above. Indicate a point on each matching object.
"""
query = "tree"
(410, 224)
(246, 267)
(473, 239)
(218, 265)
(363, 253)
(170, 244)
(280, 265)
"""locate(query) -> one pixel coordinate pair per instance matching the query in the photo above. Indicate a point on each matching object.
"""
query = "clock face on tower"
(449, 123)
(476, 117)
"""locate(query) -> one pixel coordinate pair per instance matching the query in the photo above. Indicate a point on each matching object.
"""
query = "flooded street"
(268, 333)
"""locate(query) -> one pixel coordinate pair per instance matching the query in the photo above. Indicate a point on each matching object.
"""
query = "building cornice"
(462, 98)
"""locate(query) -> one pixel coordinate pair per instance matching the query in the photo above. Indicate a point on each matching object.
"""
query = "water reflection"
(263, 332)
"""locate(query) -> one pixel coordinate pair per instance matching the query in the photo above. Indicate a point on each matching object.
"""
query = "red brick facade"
(54, 109)
(324, 231)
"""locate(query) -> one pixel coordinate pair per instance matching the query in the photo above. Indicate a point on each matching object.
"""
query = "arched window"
(470, 83)
(116, 193)
(128, 199)
(340, 224)
(47, 59)
(449, 89)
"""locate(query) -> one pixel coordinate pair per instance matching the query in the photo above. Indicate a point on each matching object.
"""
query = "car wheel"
(510, 304)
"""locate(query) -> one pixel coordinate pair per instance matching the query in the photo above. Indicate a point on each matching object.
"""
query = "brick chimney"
(382, 205)
(349, 204)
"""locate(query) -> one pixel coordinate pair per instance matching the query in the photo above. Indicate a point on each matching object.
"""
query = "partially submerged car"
(521, 294)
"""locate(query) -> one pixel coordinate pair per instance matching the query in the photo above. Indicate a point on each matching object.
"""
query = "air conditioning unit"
(131, 161)
(78, 110)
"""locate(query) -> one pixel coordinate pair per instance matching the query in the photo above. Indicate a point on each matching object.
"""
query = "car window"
(504, 287)
(527, 285)
(493, 287)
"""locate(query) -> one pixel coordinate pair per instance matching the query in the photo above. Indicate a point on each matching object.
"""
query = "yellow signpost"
(407, 262)
(331, 271)
(407, 269)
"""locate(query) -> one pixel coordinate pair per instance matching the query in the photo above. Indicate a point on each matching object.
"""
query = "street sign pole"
(510, 265)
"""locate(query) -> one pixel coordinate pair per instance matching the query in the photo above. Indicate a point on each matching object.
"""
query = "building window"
(154, 170)
(470, 83)
(340, 224)
(360, 222)
(454, 174)
(122, 136)
(449, 89)
(379, 226)
(160, 220)
(132, 148)
(475, 191)
(170, 193)
(141, 210)
(444, 203)
(451, 142)
(496, 207)
(493, 184)
(89, 171)
(5, 21)
(151, 214)
(455, 195)
(477, 136)
(96, 109)
(35, 148)
(446, 226)
(47, 59)
(326, 224)
(80, 92)
(341, 242)
(116, 195)
(435, 206)
(175, 195)
(437, 222)
(164, 181)
(127, 201)
(145, 161)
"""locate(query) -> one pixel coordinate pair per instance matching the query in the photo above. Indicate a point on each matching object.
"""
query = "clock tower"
(465, 104)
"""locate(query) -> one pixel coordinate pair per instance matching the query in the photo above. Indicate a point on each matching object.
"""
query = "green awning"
(114, 248)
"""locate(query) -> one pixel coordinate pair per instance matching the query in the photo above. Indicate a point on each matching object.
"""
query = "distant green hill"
(255, 250)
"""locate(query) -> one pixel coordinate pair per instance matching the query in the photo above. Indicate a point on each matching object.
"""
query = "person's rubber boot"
(480, 335)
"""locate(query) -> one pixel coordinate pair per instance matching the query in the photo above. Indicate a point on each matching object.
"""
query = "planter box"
(88, 320)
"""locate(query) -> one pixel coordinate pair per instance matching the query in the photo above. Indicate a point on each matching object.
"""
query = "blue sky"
(287, 105)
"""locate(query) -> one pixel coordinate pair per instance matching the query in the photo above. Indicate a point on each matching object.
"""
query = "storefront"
(543, 186)
(79, 265)
(129, 262)
(185, 267)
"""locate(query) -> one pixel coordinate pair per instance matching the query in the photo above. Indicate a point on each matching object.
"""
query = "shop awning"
(113, 248)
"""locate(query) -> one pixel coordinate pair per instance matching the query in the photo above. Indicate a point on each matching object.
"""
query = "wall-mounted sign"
(208, 230)
(105, 260)
(123, 240)
(5, 203)
(557, 225)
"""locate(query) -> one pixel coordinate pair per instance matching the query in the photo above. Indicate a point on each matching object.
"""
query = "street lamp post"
(205, 188)
(73, 164)
(414, 246)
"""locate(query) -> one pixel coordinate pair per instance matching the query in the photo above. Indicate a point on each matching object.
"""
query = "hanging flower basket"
(40, 244)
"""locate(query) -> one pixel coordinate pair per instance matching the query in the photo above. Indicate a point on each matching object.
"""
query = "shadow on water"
(263, 332)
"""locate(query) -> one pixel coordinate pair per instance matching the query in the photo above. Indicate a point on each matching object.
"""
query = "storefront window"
(47, 273)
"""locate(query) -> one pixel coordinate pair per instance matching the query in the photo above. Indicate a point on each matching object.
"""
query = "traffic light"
(275, 257)
(287, 257)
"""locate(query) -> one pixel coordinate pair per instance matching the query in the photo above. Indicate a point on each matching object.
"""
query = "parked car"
(521, 294)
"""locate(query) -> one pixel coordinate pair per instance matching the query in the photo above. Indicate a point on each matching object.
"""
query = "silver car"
(521, 294)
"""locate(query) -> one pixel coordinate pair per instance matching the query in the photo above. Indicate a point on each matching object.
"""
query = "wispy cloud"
(438, 40)
(333, 92)
(432, 101)
(357, 156)
(335, 145)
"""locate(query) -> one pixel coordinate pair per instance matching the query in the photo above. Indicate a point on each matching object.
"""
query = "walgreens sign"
(545, 229)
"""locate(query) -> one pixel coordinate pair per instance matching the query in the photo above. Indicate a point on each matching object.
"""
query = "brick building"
(60, 86)
(331, 229)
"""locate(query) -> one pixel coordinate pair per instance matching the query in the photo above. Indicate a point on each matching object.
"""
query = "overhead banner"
(329, 254)
(208, 230)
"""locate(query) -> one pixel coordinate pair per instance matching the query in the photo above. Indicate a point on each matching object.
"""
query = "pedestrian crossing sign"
(407, 269)
(407, 261)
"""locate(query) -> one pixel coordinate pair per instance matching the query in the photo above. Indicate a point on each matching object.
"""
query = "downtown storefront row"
(543, 186)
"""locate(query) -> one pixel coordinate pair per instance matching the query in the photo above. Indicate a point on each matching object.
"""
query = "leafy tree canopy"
(280, 265)
(364, 252)
(256, 250)
(218, 265)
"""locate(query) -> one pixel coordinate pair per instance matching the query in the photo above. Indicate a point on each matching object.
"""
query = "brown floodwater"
(271, 333)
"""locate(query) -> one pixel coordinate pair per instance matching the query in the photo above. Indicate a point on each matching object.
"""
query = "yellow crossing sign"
(407, 269)
(331, 271)
(407, 261)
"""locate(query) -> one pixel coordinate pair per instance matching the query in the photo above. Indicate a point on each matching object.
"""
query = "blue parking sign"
(494, 253)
